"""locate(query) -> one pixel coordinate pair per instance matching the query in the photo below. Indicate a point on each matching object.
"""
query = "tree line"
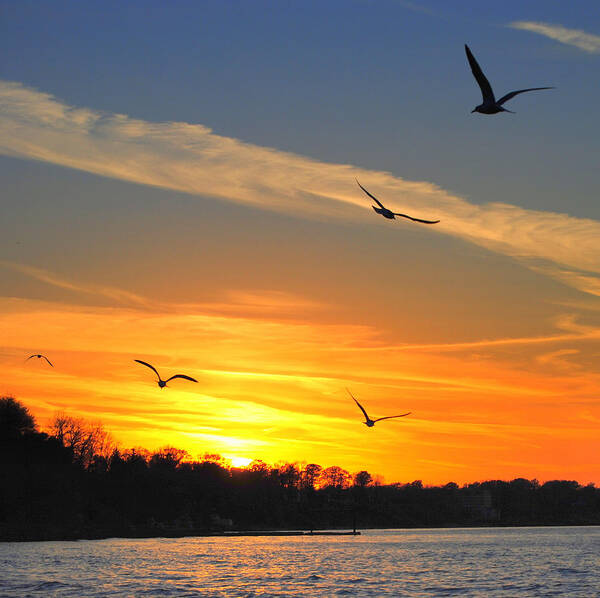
(74, 482)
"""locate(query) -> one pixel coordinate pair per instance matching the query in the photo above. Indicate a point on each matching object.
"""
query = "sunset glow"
(183, 234)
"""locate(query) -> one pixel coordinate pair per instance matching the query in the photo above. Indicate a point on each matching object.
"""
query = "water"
(451, 562)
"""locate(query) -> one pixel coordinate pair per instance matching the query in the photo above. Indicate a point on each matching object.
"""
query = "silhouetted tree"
(335, 477)
(136, 459)
(362, 479)
(74, 485)
(259, 467)
(167, 458)
(85, 439)
(309, 476)
(289, 476)
(213, 458)
(15, 418)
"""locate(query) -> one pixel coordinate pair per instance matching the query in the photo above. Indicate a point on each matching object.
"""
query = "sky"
(178, 186)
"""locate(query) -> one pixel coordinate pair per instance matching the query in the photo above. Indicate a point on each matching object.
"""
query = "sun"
(240, 461)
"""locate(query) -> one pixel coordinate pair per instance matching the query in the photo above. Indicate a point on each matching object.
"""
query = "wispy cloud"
(556, 359)
(588, 282)
(108, 292)
(192, 159)
(417, 7)
(591, 334)
(587, 42)
(278, 304)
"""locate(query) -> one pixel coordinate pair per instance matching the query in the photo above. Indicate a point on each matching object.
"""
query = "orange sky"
(272, 369)
(267, 276)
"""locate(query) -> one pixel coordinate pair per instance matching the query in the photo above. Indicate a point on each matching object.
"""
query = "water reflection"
(465, 562)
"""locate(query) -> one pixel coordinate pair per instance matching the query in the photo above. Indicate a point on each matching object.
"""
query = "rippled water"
(449, 562)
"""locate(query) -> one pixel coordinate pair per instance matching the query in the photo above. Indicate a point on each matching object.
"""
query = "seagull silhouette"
(162, 383)
(39, 356)
(490, 105)
(371, 422)
(388, 213)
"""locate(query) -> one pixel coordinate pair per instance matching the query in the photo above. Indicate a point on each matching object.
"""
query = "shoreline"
(174, 534)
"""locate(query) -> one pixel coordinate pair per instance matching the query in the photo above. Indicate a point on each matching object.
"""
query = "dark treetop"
(73, 484)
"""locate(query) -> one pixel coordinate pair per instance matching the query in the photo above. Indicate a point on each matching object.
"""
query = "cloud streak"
(119, 295)
(191, 158)
(572, 37)
(281, 306)
(278, 304)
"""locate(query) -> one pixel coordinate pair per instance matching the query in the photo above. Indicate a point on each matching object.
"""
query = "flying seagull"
(490, 105)
(162, 383)
(371, 422)
(388, 213)
(39, 356)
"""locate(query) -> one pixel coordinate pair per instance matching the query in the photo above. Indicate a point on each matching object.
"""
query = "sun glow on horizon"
(292, 405)
(241, 462)
(485, 330)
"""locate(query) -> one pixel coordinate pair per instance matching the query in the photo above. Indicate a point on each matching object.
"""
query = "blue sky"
(369, 83)
(380, 85)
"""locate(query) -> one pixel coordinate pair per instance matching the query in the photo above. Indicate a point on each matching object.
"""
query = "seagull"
(39, 356)
(371, 422)
(388, 213)
(162, 383)
(490, 105)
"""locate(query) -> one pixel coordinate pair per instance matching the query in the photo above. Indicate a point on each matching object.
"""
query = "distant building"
(478, 505)
(218, 522)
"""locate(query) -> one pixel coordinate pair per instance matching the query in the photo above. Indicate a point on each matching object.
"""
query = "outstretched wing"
(416, 219)
(182, 376)
(371, 196)
(512, 94)
(148, 366)
(30, 357)
(484, 84)
(359, 405)
(47, 360)
(393, 416)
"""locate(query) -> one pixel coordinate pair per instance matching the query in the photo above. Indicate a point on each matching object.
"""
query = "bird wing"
(416, 219)
(49, 362)
(181, 376)
(512, 94)
(360, 406)
(30, 357)
(392, 416)
(371, 196)
(148, 366)
(484, 84)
